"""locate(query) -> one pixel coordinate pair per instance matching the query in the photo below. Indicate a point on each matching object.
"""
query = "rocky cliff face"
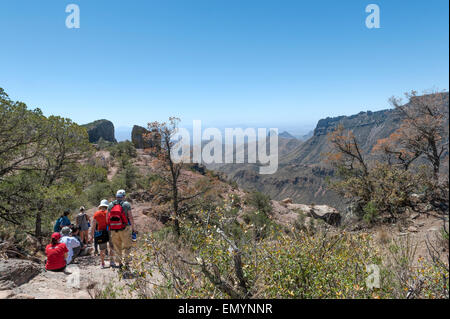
(101, 129)
(137, 138)
(368, 127)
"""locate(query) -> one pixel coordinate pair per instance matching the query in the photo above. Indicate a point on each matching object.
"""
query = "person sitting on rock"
(82, 250)
(56, 254)
(71, 242)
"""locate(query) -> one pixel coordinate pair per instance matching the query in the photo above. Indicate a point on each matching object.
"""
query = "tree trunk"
(38, 226)
(175, 206)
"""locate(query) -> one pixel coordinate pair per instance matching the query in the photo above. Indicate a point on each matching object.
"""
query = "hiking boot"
(134, 236)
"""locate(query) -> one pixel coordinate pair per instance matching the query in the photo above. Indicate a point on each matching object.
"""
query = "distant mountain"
(302, 173)
(305, 136)
(101, 129)
(286, 135)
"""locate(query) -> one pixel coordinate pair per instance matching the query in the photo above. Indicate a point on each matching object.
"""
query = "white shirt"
(71, 243)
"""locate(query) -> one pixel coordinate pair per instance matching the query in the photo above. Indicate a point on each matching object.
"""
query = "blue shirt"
(65, 221)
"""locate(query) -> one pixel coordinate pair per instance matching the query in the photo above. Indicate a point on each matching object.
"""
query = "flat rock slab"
(16, 272)
(5, 294)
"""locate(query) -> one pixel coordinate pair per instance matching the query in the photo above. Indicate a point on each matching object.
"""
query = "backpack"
(116, 217)
(57, 227)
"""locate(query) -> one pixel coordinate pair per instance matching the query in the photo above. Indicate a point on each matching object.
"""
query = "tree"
(422, 132)
(66, 147)
(385, 185)
(22, 133)
(422, 137)
(40, 161)
(170, 169)
(351, 165)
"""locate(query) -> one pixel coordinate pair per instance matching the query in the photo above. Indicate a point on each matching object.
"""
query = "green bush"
(370, 213)
(125, 149)
(99, 191)
(260, 202)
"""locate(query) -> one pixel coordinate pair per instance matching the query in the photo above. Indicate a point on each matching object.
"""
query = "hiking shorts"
(103, 246)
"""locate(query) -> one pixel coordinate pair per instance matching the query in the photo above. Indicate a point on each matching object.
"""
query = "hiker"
(121, 224)
(56, 254)
(82, 250)
(83, 222)
(101, 235)
(71, 242)
(62, 221)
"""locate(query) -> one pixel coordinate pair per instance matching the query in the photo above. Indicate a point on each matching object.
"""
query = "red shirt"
(100, 217)
(55, 256)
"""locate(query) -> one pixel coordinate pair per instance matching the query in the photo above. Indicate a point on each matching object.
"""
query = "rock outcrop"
(101, 129)
(138, 140)
(287, 213)
(326, 213)
(16, 272)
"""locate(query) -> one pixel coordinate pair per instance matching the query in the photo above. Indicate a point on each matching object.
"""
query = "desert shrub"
(208, 261)
(260, 202)
(407, 276)
(370, 213)
(89, 174)
(300, 221)
(103, 144)
(99, 191)
(283, 266)
(125, 149)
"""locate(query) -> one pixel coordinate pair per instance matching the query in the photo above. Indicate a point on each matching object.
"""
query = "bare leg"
(102, 256)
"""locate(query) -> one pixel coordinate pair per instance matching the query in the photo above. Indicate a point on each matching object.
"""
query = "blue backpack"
(57, 227)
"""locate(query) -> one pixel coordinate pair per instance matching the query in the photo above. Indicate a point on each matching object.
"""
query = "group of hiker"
(112, 227)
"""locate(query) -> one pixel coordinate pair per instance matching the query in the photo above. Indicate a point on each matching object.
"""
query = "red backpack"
(116, 217)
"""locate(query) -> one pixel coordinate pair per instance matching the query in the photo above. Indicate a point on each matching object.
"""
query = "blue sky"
(275, 63)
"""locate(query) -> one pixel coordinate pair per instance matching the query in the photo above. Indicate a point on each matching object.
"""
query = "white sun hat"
(104, 203)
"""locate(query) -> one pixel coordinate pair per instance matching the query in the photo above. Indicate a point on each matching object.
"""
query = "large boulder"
(16, 272)
(326, 213)
(101, 129)
(138, 140)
